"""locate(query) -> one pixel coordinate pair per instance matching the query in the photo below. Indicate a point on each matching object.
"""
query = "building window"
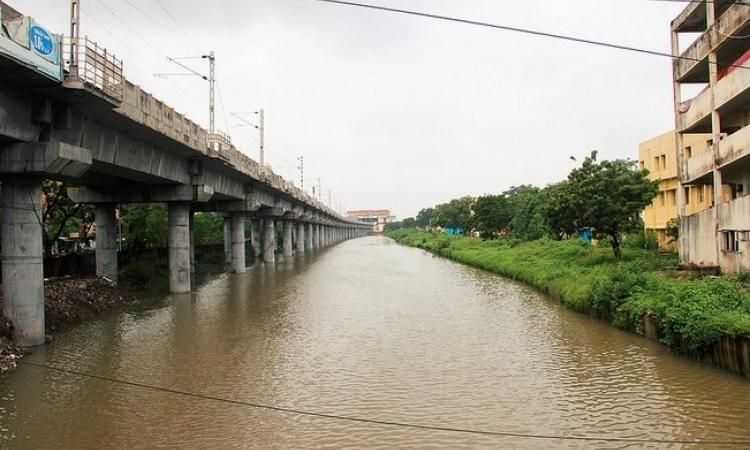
(688, 152)
(642, 164)
(732, 240)
(687, 195)
(701, 194)
(656, 162)
(661, 198)
(673, 196)
(663, 161)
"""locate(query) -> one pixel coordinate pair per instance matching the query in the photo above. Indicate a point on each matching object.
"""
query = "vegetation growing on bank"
(691, 314)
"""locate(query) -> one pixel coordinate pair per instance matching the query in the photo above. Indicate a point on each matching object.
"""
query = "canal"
(365, 344)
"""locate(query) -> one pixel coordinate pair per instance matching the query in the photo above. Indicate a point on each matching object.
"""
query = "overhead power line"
(129, 27)
(174, 20)
(725, 2)
(388, 423)
(519, 30)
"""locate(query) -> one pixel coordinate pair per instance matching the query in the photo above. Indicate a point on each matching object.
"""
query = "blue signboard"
(29, 43)
(41, 40)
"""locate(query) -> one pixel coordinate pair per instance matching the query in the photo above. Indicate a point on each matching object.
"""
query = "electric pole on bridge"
(212, 85)
(301, 168)
(261, 127)
(211, 78)
(75, 33)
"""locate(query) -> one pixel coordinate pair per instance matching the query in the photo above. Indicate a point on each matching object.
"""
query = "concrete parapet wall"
(144, 108)
(698, 239)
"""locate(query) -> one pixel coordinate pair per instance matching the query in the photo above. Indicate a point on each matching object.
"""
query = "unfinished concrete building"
(712, 92)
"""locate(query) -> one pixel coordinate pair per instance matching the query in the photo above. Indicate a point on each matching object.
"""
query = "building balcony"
(733, 214)
(734, 21)
(734, 147)
(692, 19)
(698, 167)
(730, 92)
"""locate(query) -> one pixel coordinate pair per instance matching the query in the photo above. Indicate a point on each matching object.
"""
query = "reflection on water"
(367, 329)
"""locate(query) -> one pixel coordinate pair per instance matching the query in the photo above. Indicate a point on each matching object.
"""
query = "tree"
(526, 204)
(560, 210)
(425, 217)
(491, 214)
(608, 196)
(144, 226)
(673, 230)
(456, 213)
(409, 222)
(60, 216)
(208, 228)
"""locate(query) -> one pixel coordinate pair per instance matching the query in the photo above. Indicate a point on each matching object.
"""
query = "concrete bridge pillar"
(23, 248)
(255, 237)
(301, 241)
(228, 243)
(191, 220)
(316, 235)
(308, 236)
(238, 242)
(269, 240)
(288, 243)
(179, 247)
(106, 241)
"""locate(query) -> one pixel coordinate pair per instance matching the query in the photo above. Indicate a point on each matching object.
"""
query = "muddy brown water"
(366, 330)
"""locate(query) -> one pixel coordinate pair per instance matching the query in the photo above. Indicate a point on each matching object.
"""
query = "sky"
(400, 112)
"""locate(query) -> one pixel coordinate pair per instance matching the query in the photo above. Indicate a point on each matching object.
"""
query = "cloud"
(401, 112)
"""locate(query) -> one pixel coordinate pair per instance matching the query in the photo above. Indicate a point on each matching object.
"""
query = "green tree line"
(605, 196)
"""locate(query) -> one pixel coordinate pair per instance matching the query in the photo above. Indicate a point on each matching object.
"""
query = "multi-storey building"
(659, 157)
(379, 218)
(714, 61)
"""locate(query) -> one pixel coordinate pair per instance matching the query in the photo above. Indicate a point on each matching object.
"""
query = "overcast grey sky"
(402, 112)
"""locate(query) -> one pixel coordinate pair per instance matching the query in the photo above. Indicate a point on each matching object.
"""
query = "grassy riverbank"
(691, 313)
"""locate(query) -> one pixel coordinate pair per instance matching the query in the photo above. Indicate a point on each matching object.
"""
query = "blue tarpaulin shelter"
(453, 231)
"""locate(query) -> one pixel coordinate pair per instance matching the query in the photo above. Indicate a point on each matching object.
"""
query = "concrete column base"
(23, 249)
(238, 242)
(269, 240)
(288, 244)
(308, 237)
(300, 238)
(106, 241)
(255, 237)
(228, 244)
(179, 247)
(191, 221)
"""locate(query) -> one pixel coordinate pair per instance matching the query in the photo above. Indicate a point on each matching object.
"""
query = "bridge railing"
(96, 68)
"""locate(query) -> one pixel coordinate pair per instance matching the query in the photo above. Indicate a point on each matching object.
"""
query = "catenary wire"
(127, 25)
(718, 2)
(389, 423)
(174, 20)
(520, 30)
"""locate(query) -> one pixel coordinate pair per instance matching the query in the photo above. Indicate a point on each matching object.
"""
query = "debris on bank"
(66, 301)
(9, 352)
(73, 300)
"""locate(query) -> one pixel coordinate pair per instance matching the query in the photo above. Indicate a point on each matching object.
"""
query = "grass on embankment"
(691, 314)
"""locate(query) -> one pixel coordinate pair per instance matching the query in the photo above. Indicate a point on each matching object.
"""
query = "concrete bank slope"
(704, 317)
(66, 301)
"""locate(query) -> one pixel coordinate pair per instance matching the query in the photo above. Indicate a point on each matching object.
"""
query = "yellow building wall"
(659, 156)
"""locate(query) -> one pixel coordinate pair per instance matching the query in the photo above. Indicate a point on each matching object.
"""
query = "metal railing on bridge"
(94, 67)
